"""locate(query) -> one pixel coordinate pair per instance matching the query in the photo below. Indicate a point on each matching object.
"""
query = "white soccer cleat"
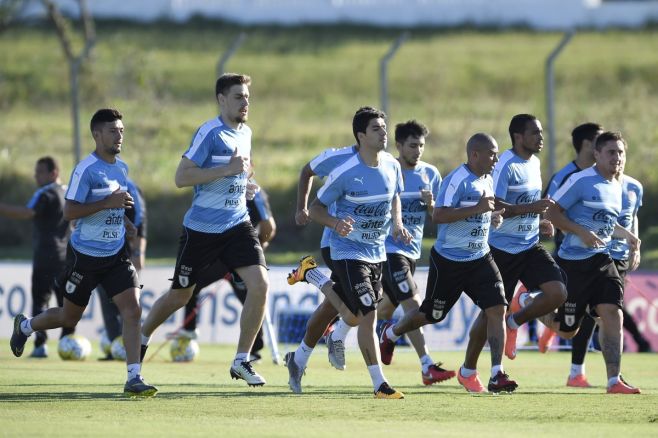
(245, 372)
(295, 373)
(336, 352)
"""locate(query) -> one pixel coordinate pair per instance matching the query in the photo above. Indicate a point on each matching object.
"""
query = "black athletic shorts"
(326, 256)
(533, 267)
(399, 284)
(235, 248)
(590, 282)
(83, 273)
(447, 279)
(361, 282)
(622, 268)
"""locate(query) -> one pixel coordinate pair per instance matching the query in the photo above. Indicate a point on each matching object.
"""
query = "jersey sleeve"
(200, 148)
(569, 193)
(331, 190)
(436, 184)
(501, 177)
(324, 163)
(449, 194)
(79, 186)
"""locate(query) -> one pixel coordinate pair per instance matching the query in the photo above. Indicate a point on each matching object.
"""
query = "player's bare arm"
(399, 232)
(118, 199)
(538, 207)
(445, 215)
(16, 211)
(189, 174)
(556, 215)
(319, 213)
(302, 216)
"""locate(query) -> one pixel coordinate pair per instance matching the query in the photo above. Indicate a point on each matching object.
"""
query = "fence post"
(383, 70)
(235, 45)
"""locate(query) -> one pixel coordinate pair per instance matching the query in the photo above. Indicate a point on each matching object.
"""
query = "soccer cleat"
(622, 387)
(436, 374)
(510, 342)
(545, 340)
(142, 352)
(579, 381)
(40, 352)
(245, 372)
(386, 346)
(336, 352)
(137, 387)
(501, 382)
(386, 392)
(305, 264)
(472, 384)
(295, 373)
(18, 339)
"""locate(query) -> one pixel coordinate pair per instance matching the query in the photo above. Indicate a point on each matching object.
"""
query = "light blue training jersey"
(631, 201)
(593, 202)
(560, 178)
(516, 181)
(101, 234)
(218, 205)
(365, 194)
(322, 165)
(414, 211)
(466, 239)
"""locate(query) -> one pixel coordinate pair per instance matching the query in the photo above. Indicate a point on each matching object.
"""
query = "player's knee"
(351, 320)
(132, 314)
(495, 312)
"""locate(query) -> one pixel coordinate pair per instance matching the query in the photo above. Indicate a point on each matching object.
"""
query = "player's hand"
(633, 242)
(546, 228)
(119, 199)
(540, 206)
(344, 226)
(633, 260)
(486, 203)
(237, 164)
(497, 218)
(427, 197)
(302, 217)
(591, 240)
(252, 189)
(400, 233)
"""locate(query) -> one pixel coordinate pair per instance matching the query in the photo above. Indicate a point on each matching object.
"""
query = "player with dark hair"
(587, 208)
(50, 236)
(460, 261)
(98, 253)
(217, 227)
(365, 190)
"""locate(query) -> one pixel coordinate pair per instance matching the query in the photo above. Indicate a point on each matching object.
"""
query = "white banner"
(219, 314)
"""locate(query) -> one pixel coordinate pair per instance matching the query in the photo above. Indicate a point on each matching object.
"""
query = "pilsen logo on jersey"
(73, 282)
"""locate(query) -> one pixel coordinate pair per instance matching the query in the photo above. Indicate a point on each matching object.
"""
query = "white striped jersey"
(465, 239)
(363, 193)
(218, 205)
(631, 201)
(593, 202)
(517, 181)
(101, 234)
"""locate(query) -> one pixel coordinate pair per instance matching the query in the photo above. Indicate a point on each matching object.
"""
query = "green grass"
(55, 398)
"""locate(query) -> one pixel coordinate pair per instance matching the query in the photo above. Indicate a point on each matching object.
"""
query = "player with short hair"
(50, 236)
(365, 190)
(421, 186)
(217, 226)
(586, 208)
(460, 261)
(96, 199)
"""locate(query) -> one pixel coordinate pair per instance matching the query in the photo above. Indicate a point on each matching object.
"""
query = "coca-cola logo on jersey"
(604, 216)
(413, 206)
(372, 209)
(527, 198)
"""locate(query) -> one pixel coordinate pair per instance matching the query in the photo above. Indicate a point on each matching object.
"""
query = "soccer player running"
(515, 245)
(421, 186)
(460, 261)
(217, 225)
(626, 258)
(50, 236)
(366, 191)
(98, 253)
(587, 208)
(582, 139)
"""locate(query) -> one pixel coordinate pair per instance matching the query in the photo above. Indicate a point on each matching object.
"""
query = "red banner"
(641, 301)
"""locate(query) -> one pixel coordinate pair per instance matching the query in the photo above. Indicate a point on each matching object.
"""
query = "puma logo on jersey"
(359, 179)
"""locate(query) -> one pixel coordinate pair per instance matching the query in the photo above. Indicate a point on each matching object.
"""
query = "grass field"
(55, 398)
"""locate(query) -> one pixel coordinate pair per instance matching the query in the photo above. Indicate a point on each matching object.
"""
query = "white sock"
(613, 380)
(426, 362)
(240, 357)
(146, 340)
(522, 298)
(317, 278)
(391, 335)
(26, 327)
(511, 323)
(495, 369)
(377, 375)
(577, 369)
(466, 372)
(133, 370)
(340, 331)
(302, 355)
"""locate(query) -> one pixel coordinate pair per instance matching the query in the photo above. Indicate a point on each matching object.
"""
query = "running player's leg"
(579, 345)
